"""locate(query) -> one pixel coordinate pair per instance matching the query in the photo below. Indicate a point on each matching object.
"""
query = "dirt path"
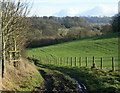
(56, 82)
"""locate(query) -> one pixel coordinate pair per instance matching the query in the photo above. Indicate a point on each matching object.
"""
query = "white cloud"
(100, 10)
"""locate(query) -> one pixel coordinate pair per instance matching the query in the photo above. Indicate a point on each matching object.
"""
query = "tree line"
(98, 20)
(60, 28)
(51, 30)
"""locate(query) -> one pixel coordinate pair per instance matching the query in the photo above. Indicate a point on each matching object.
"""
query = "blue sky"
(74, 7)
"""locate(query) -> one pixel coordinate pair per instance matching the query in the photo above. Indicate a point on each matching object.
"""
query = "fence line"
(93, 62)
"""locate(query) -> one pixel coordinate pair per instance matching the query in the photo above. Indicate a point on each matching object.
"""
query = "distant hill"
(100, 20)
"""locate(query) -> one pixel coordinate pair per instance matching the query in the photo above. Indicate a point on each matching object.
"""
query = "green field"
(100, 46)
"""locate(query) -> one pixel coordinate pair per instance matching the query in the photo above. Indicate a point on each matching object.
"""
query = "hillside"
(96, 80)
(105, 46)
(100, 46)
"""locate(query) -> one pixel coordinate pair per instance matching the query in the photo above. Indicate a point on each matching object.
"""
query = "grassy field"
(100, 46)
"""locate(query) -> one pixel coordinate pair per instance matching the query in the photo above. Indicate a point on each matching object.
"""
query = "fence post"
(67, 61)
(86, 61)
(113, 68)
(60, 60)
(64, 62)
(75, 61)
(94, 65)
(71, 61)
(101, 66)
(80, 61)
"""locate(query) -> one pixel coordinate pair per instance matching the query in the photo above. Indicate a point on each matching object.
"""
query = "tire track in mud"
(56, 82)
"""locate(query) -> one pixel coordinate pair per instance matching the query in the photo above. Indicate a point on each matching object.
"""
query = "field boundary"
(110, 63)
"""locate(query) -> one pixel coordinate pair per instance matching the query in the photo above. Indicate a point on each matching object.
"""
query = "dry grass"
(21, 78)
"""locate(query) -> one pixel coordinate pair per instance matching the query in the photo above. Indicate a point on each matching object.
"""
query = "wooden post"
(80, 61)
(86, 61)
(67, 60)
(60, 60)
(101, 65)
(75, 61)
(64, 61)
(113, 68)
(94, 65)
(71, 61)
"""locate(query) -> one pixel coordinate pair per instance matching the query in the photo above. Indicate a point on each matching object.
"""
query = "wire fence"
(111, 63)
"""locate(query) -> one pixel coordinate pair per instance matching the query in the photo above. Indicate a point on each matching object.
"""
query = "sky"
(62, 8)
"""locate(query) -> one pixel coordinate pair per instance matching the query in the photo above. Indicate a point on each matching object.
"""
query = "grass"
(96, 80)
(55, 80)
(24, 77)
(30, 83)
(101, 81)
(100, 46)
(94, 46)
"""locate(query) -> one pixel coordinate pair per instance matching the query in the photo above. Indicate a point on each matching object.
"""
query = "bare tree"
(14, 25)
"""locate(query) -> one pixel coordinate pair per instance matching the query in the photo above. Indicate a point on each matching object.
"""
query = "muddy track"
(56, 82)
(48, 81)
